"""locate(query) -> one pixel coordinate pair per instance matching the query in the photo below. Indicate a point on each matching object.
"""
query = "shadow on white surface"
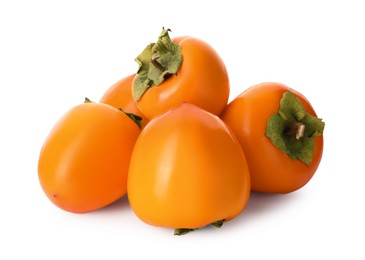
(260, 203)
(261, 206)
(116, 207)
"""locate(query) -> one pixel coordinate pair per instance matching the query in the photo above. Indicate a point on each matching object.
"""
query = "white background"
(54, 53)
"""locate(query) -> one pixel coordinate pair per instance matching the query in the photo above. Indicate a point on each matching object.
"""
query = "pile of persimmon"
(167, 138)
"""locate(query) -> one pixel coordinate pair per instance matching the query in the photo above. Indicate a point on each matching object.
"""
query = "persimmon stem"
(296, 130)
(299, 131)
(154, 62)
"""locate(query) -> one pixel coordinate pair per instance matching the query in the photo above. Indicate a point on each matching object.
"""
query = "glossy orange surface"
(187, 171)
(271, 170)
(83, 163)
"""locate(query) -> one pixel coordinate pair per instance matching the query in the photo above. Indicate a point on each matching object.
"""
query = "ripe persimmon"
(185, 69)
(280, 133)
(187, 171)
(83, 163)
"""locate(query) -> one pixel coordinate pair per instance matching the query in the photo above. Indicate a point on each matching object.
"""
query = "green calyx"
(87, 100)
(156, 63)
(183, 231)
(292, 130)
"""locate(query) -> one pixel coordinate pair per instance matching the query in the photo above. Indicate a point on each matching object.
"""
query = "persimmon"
(187, 171)
(280, 133)
(185, 69)
(83, 163)
(119, 95)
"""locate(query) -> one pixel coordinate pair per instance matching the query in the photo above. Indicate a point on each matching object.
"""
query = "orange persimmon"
(185, 69)
(280, 134)
(187, 171)
(84, 161)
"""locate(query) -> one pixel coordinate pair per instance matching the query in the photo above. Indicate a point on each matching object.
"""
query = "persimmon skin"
(271, 170)
(202, 80)
(119, 95)
(187, 170)
(83, 163)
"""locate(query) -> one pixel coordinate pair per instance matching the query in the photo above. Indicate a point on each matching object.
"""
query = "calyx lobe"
(156, 63)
